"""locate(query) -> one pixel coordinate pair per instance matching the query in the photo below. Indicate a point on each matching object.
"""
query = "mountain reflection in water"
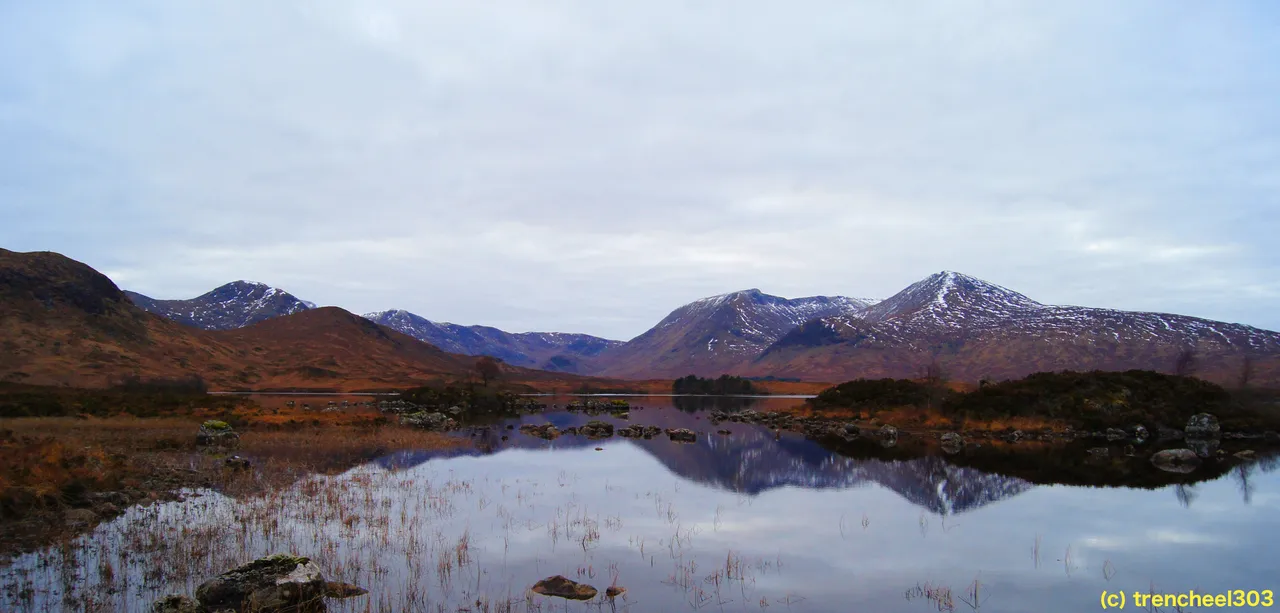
(752, 460)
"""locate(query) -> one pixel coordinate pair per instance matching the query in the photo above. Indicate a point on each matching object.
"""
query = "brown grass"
(51, 464)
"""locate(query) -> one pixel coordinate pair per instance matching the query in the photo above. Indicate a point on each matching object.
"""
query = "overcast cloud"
(589, 166)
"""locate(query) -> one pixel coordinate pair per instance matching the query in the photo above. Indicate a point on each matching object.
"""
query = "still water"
(748, 521)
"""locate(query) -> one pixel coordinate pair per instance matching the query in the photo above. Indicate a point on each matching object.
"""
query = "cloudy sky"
(589, 166)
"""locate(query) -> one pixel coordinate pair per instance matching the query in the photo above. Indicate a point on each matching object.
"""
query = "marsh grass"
(418, 540)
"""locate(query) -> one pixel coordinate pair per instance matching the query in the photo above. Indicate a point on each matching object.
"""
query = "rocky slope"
(553, 351)
(234, 305)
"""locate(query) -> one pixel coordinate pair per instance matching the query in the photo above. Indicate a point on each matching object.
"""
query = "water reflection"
(734, 522)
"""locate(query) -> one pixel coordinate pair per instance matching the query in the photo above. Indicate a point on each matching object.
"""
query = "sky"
(590, 166)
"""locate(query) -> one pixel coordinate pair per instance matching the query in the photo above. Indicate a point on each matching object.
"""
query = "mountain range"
(965, 327)
(64, 323)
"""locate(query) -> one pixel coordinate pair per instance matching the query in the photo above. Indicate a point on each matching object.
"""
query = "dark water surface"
(738, 522)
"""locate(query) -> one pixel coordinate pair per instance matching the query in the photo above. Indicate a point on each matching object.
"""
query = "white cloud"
(590, 166)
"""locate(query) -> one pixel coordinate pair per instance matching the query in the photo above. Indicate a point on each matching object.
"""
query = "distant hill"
(554, 351)
(234, 305)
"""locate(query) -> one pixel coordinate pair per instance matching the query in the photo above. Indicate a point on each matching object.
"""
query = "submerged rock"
(1175, 460)
(1116, 434)
(682, 435)
(1246, 455)
(1099, 452)
(274, 584)
(545, 431)
(1203, 425)
(214, 433)
(564, 588)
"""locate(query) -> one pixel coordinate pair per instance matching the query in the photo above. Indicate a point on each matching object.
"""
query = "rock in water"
(597, 429)
(1176, 460)
(564, 588)
(216, 433)
(952, 442)
(437, 422)
(615, 591)
(682, 435)
(1203, 447)
(545, 431)
(174, 604)
(274, 584)
(1203, 425)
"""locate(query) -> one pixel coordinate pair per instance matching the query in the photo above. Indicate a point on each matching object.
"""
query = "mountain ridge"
(226, 307)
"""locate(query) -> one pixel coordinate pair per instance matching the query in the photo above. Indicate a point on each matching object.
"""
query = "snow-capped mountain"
(555, 351)
(714, 335)
(976, 329)
(234, 305)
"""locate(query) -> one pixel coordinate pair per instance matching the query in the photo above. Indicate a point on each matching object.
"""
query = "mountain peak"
(228, 306)
(950, 292)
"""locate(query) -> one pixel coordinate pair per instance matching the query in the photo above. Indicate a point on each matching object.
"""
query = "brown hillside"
(63, 323)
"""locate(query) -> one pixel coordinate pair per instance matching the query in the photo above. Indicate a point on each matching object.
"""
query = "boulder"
(615, 591)
(545, 431)
(596, 429)
(1175, 460)
(214, 433)
(437, 422)
(274, 584)
(1140, 433)
(888, 435)
(1203, 425)
(564, 588)
(682, 435)
(175, 603)
(1116, 434)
